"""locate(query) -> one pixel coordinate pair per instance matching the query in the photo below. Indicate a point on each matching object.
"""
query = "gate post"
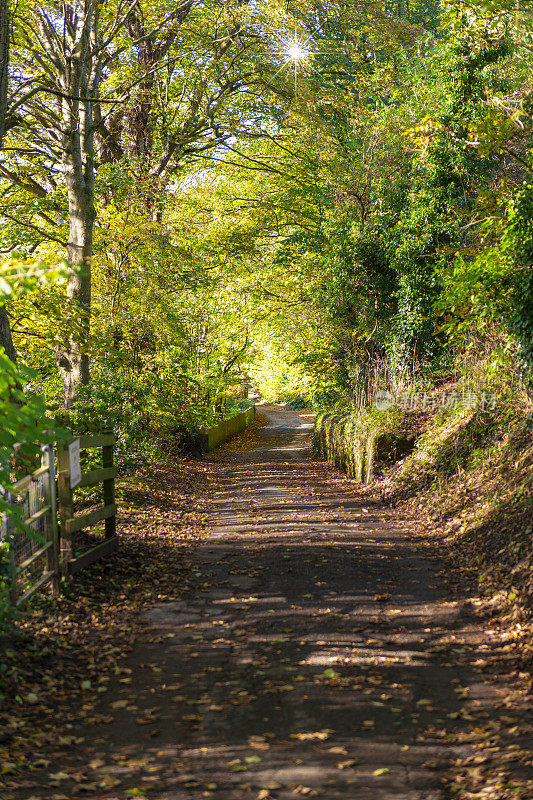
(109, 487)
(66, 505)
(48, 460)
(6, 531)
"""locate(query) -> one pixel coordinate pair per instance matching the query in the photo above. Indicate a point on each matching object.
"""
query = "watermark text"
(423, 401)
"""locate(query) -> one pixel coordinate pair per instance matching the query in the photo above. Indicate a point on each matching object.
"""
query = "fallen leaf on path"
(310, 736)
(59, 776)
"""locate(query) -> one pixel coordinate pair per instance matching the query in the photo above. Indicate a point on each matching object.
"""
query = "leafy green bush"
(24, 423)
(519, 235)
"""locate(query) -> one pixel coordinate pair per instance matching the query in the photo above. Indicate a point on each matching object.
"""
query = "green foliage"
(325, 227)
(24, 423)
(356, 230)
(519, 236)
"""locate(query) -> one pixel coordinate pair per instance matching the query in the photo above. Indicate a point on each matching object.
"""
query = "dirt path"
(322, 657)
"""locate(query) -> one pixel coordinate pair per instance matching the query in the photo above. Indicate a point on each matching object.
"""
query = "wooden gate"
(34, 546)
(79, 545)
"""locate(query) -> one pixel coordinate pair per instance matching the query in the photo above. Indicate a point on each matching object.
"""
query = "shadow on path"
(320, 659)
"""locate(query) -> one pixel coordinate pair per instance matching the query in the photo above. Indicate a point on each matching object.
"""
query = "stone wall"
(210, 438)
(356, 443)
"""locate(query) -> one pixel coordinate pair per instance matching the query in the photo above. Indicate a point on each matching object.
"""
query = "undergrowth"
(471, 476)
(463, 469)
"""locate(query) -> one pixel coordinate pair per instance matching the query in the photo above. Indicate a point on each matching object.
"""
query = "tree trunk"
(83, 75)
(4, 63)
(6, 340)
(73, 360)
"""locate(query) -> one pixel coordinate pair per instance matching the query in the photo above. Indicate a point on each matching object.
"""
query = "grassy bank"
(468, 478)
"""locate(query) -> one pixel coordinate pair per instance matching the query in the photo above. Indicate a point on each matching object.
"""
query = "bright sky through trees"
(282, 187)
(296, 51)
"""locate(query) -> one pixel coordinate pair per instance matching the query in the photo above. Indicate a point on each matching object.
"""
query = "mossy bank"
(464, 472)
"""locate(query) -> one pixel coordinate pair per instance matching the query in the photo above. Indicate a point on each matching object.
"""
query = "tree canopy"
(306, 193)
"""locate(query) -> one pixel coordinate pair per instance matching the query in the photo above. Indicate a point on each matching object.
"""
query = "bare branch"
(26, 224)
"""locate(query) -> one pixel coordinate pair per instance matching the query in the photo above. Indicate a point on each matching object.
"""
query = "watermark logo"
(385, 400)
(421, 401)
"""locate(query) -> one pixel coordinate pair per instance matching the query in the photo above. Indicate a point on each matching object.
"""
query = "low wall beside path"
(210, 438)
(356, 442)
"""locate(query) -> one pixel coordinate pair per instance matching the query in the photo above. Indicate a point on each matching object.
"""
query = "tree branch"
(26, 224)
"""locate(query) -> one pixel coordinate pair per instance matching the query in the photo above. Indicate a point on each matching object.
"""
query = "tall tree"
(4, 64)
(6, 340)
(63, 50)
(61, 56)
(91, 80)
(196, 78)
